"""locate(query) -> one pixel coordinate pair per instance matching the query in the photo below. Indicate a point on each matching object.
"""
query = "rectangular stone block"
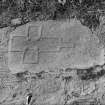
(20, 31)
(18, 44)
(30, 56)
(48, 44)
(34, 32)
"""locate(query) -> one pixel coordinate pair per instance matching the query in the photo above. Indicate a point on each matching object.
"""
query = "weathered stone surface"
(16, 21)
(18, 43)
(31, 56)
(34, 32)
(49, 86)
(4, 93)
(74, 32)
(66, 45)
(4, 72)
(59, 44)
(101, 34)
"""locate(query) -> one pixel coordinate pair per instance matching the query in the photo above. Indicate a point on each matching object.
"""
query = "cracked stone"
(48, 44)
(34, 32)
(18, 44)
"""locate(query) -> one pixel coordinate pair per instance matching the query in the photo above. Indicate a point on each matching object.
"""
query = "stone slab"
(47, 58)
(48, 44)
(18, 43)
(15, 58)
(58, 45)
(102, 29)
(51, 29)
(44, 44)
(3, 60)
(74, 33)
(15, 62)
(4, 39)
(30, 56)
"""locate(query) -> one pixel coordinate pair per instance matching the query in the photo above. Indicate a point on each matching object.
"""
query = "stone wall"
(52, 62)
(43, 45)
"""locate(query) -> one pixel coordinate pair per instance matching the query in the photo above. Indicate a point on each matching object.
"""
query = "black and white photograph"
(52, 52)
